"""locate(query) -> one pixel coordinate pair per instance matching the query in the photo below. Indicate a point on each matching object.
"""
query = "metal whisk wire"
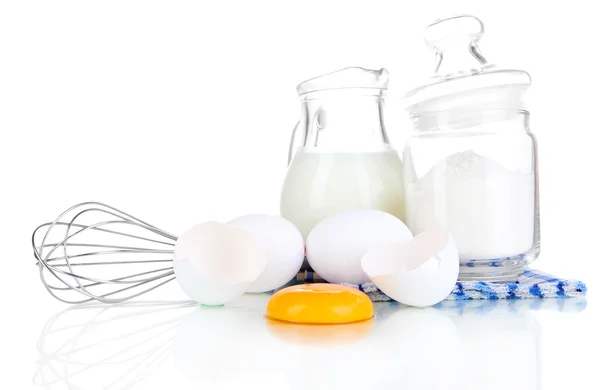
(64, 267)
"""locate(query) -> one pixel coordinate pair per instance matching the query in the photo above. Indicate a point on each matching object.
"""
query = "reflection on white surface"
(499, 346)
(455, 345)
(98, 346)
(215, 343)
(320, 335)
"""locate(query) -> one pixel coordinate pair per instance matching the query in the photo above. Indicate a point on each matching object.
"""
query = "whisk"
(102, 253)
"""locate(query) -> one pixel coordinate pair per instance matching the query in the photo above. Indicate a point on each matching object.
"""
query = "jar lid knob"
(454, 41)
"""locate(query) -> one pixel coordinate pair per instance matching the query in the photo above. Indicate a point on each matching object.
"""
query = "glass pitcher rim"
(352, 91)
(345, 79)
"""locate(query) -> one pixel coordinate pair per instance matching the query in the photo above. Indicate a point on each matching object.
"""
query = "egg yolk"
(320, 303)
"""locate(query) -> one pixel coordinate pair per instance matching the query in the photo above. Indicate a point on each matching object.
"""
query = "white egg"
(283, 245)
(215, 263)
(335, 246)
(420, 273)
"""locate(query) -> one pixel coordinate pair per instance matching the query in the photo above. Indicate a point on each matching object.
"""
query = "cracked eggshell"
(419, 273)
(283, 245)
(215, 263)
(335, 246)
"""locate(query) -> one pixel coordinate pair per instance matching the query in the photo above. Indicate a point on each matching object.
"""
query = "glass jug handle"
(296, 141)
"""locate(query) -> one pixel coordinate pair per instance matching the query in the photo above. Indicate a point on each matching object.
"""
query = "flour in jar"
(488, 209)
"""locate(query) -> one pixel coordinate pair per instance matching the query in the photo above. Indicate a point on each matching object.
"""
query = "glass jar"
(470, 166)
(340, 157)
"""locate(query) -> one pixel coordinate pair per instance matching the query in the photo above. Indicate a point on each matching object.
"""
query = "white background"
(181, 111)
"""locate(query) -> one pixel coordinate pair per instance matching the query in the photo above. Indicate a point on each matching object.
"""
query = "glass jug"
(340, 158)
(470, 166)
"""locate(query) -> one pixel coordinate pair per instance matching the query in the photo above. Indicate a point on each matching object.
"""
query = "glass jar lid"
(463, 78)
(353, 77)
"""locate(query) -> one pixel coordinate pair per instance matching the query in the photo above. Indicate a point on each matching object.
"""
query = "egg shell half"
(215, 263)
(419, 273)
(283, 245)
(335, 246)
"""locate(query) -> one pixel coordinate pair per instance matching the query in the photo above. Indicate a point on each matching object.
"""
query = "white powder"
(488, 209)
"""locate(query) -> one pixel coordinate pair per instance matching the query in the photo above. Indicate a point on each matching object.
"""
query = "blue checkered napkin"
(532, 284)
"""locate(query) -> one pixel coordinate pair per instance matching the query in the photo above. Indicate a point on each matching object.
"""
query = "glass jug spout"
(353, 77)
(342, 111)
